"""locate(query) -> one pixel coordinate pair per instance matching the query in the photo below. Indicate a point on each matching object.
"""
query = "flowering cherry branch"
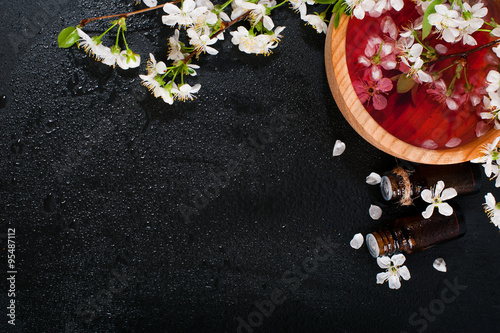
(204, 24)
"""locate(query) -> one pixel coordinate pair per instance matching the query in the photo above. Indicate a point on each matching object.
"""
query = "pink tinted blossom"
(389, 28)
(441, 94)
(474, 93)
(378, 53)
(370, 88)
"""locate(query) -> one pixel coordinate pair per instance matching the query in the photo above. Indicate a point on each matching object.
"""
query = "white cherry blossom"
(202, 43)
(493, 80)
(90, 46)
(492, 209)
(446, 22)
(317, 22)
(492, 105)
(175, 52)
(490, 154)
(435, 196)
(182, 16)
(394, 271)
(359, 7)
(155, 68)
(185, 91)
(470, 22)
(300, 6)
(153, 83)
(416, 70)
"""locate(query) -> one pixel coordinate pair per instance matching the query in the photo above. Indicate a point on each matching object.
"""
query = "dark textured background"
(94, 170)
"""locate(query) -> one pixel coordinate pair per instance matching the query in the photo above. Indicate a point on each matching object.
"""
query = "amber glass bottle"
(404, 185)
(414, 233)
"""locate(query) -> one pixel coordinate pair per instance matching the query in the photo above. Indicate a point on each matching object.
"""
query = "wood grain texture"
(359, 118)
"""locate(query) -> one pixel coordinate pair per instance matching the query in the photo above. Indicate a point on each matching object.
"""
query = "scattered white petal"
(339, 148)
(440, 265)
(373, 179)
(453, 142)
(375, 212)
(357, 241)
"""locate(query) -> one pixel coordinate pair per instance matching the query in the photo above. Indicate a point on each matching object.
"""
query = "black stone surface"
(94, 171)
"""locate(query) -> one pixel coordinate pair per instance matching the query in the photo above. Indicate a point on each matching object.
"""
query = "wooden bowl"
(359, 118)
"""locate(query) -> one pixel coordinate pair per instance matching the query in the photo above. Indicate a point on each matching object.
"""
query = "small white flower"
(394, 271)
(470, 22)
(112, 56)
(496, 32)
(492, 209)
(182, 16)
(444, 17)
(373, 179)
(300, 6)
(175, 52)
(436, 198)
(492, 106)
(257, 12)
(202, 43)
(446, 22)
(317, 22)
(243, 39)
(128, 59)
(357, 241)
(375, 212)
(490, 154)
(155, 68)
(99, 51)
(382, 6)
(359, 7)
(339, 148)
(185, 91)
(152, 82)
(416, 70)
(493, 80)
(439, 264)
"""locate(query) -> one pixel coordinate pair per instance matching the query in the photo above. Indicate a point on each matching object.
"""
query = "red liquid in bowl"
(422, 121)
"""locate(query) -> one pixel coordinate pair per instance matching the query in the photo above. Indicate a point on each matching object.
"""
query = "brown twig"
(464, 54)
(86, 21)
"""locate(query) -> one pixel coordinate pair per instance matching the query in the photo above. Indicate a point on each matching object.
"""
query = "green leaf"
(426, 26)
(405, 84)
(338, 15)
(337, 6)
(67, 37)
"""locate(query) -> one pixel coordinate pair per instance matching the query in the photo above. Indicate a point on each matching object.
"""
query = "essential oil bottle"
(404, 185)
(415, 233)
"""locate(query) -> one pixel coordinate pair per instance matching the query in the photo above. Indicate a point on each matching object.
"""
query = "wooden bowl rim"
(363, 123)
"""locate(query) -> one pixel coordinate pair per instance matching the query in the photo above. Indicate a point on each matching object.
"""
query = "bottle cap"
(372, 244)
(386, 188)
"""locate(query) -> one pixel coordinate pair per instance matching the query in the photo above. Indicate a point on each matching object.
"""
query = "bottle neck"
(398, 185)
(388, 242)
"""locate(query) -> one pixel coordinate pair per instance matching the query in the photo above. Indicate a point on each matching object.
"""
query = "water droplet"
(16, 148)
(49, 203)
(3, 101)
